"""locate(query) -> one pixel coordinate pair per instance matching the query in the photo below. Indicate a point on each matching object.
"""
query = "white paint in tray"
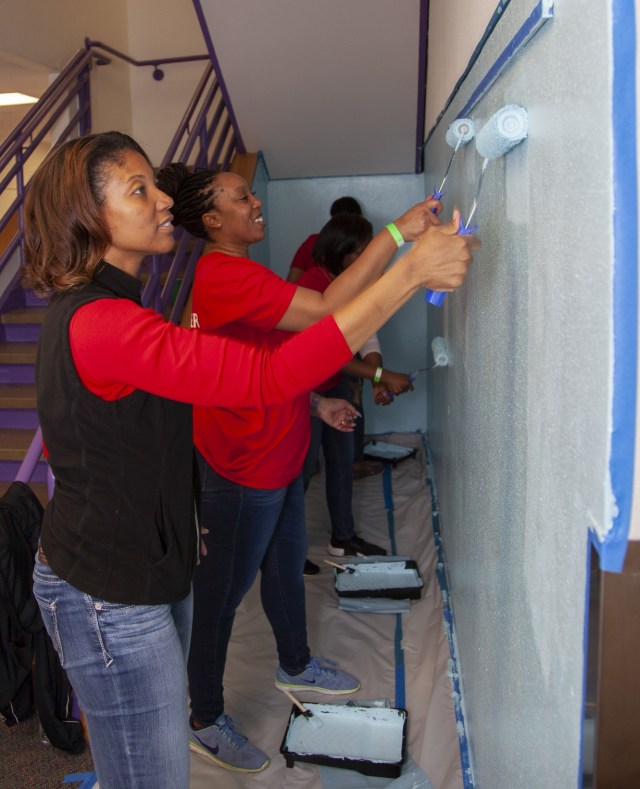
(367, 733)
(378, 575)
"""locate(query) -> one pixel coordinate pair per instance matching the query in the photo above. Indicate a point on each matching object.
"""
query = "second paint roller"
(459, 133)
(503, 131)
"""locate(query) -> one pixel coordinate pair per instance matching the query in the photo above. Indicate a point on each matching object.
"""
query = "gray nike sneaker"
(226, 747)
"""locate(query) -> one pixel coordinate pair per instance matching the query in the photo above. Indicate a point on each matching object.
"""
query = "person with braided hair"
(251, 459)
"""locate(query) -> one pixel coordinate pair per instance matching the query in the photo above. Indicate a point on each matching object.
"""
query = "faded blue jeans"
(127, 666)
(250, 530)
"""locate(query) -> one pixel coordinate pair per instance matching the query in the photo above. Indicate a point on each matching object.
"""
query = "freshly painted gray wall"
(300, 207)
(519, 423)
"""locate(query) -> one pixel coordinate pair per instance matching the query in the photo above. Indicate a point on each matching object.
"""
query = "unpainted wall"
(519, 423)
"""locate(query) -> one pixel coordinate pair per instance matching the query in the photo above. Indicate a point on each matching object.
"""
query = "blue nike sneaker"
(319, 676)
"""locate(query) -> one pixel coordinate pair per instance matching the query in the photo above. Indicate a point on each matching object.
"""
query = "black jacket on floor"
(24, 680)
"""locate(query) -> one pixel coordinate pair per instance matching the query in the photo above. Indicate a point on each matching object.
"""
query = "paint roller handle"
(394, 384)
(297, 703)
(437, 297)
(411, 376)
(437, 195)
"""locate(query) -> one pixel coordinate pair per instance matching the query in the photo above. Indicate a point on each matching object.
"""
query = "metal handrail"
(207, 136)
(158, 73)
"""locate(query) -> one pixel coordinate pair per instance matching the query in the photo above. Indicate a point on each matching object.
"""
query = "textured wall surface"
(518, 423)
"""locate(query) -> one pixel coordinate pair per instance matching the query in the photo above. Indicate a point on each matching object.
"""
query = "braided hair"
(192, 191)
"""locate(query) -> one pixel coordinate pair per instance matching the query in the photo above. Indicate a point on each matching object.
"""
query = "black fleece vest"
(120, 525)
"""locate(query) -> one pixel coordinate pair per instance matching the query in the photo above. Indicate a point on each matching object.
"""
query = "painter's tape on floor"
(412, 778)
(401, 697)
(83, 780)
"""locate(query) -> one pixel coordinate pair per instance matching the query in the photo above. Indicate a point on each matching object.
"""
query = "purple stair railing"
(207, 136)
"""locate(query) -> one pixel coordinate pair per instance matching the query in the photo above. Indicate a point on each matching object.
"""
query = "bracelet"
(377, 376)
(315, 401)
(395, 234)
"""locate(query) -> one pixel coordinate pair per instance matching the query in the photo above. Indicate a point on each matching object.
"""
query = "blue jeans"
(338, 451)
(250, 529)
(127, 666)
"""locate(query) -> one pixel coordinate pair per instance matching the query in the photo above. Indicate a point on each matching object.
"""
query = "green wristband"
(395, 234)
(378, 375)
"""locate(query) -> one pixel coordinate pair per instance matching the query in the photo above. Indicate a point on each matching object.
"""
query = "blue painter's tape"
(388, 505)
(86, 780)
(449, 626)
(625, 284)
(401, 695)
(495, 18)
(387, 489)
(528, 29)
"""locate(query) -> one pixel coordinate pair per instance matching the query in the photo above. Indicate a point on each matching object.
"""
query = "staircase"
(19, 329)
(207, 136)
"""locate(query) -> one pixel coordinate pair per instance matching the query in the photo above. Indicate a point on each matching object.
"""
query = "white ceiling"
(321, 87)
(18, 75)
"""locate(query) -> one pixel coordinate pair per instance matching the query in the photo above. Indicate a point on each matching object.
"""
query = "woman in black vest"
(115, 382)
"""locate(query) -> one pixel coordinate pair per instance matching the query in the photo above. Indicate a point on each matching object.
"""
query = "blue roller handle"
(437, 297)
(437, 195)
(412, 378)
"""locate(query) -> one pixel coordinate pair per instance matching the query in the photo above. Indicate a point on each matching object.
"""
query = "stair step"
(14, 443)
(19, 417)
(21, 325)
(39, 488)
(17, 396)
(17, 374)
(23, 315)
(10, 468)
(18, 353)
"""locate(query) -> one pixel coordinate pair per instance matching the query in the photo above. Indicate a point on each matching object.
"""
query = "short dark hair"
(345, 205)
(65, 232)
(341, 236)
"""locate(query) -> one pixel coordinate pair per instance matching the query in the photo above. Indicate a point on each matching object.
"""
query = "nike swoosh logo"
(214, 751)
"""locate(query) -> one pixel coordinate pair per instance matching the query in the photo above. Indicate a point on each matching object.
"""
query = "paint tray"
(387, 452)
(370, 740)
(393, 577)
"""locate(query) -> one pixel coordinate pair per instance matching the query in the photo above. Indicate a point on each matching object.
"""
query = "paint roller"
(440, 358)
(502, 132)
(459, 133)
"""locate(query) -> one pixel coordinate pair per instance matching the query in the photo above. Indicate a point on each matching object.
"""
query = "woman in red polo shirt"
(251, 459)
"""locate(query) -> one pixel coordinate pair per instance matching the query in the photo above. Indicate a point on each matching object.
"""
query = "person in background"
(340, 243)
(371, 354)
(251, 459)
(303, 259)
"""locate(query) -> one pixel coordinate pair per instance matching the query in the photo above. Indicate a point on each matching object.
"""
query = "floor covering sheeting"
(366, 644)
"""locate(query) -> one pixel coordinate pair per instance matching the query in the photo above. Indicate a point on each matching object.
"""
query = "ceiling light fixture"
(13, 99)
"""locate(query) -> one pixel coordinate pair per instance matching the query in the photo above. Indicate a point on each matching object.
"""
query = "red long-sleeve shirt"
(118, 346)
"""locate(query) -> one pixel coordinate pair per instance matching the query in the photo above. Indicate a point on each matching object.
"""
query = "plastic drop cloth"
(360, 643)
